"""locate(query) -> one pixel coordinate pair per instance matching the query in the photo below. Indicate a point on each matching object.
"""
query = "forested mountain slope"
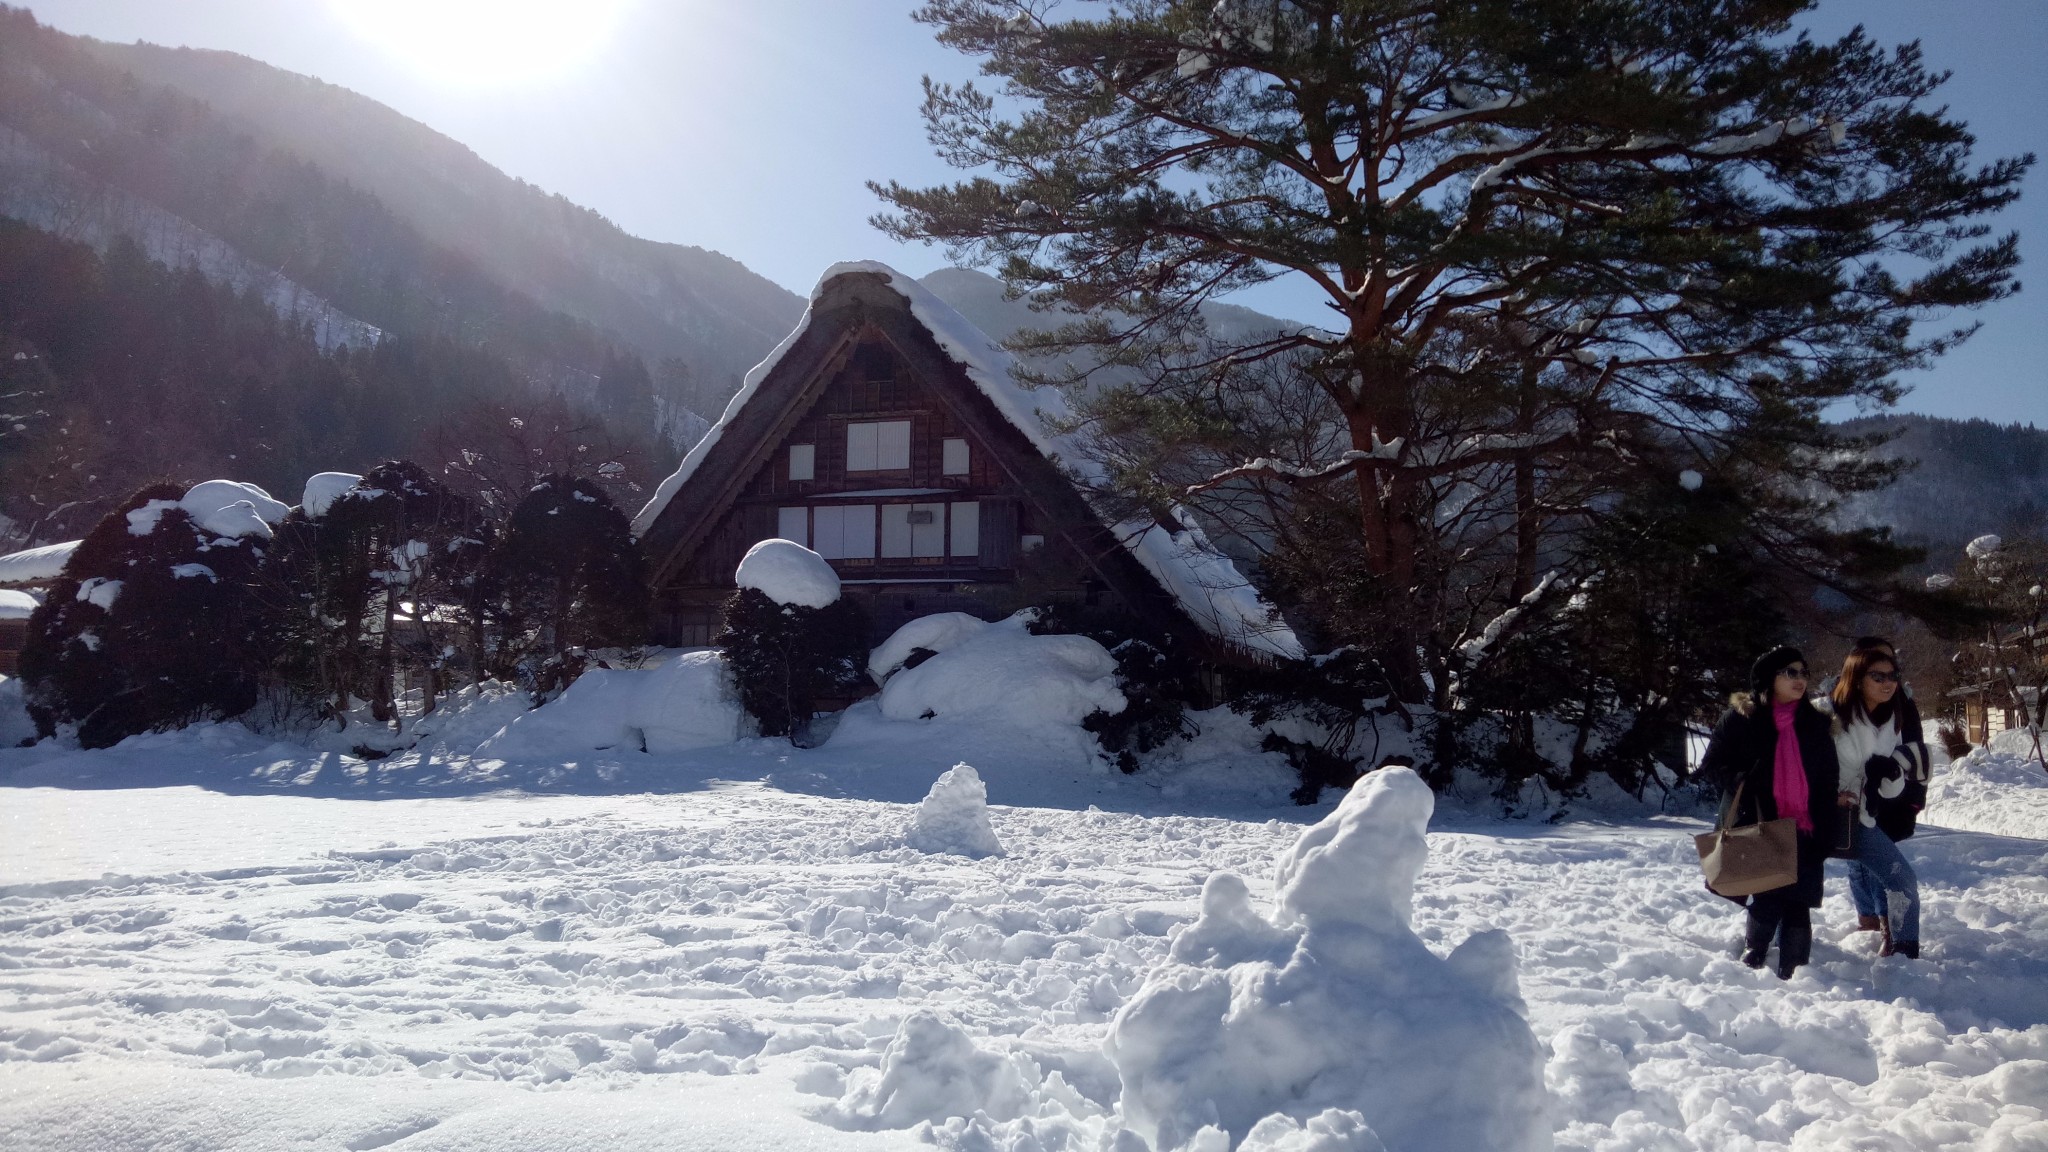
(664, 299)
(1971, 477)
(358, 210)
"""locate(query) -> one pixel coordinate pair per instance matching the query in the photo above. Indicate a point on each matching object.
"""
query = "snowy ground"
(714, 951)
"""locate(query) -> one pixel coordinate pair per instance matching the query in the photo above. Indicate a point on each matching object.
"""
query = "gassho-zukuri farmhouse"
(888, 434)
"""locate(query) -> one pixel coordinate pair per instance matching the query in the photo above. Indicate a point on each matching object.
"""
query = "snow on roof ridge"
(36, 565)
(1202, 579)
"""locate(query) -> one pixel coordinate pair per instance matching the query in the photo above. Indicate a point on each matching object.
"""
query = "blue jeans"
(1882, 883)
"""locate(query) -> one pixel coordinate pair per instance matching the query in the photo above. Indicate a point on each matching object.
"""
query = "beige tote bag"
(1753, 858)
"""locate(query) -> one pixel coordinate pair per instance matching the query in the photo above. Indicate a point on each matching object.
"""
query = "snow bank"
(682, 704)
(16, 605)
(1334, 1003)
(1998, 788)
(932, 1071)
(36, 565)
(323, 489)
(953, 819)
(1001, 674)
(788, 573)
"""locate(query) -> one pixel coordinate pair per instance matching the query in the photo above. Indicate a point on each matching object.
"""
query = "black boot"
(1795, 941)
(1910, 949)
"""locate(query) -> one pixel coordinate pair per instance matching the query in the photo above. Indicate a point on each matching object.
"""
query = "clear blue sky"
(748, 127)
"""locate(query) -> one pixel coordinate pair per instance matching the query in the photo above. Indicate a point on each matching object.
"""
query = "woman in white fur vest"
(1867, 737)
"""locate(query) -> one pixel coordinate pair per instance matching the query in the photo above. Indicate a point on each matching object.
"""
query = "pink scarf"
(1788, 771)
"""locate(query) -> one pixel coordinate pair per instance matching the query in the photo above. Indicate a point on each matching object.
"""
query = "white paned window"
(803, 461)
(892, 445)
(927, 529)
(793, 524)
(844, 531)
(967, 528)
(895, 530)
(860, 447)
(878, 447)
(955, 458)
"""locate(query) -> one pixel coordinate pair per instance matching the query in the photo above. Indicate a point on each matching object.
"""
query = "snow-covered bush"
(1333, 1002)
(1158, 680)
(1001, 674)
(566, 575)
(152, 626)
(790, 639)
(953, 819)
(375, 579)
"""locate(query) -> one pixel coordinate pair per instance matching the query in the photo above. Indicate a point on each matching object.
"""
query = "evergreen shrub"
(151, 626)
(785, 658)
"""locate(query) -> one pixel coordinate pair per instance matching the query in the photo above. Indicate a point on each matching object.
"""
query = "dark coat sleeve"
(1729, 759)
(1911, 754)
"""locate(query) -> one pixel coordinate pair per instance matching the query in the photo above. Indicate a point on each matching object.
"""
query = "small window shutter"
(998, 533)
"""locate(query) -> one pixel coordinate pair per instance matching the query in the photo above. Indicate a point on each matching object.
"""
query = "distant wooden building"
(20, 573)
(887, 434)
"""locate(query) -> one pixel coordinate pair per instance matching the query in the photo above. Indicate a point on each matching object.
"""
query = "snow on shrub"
(935, 633)
(150, 625)
(953, 819)
(684, 703)
(1002, 674)
(932, 1071)
(1334, 1003)
(788, 573)
(323, 489)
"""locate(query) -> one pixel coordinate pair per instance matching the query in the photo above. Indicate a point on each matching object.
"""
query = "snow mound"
(1001, 674)
(15, 726)
(934, 633)
(788, 573)
(1334, 1130)
(931, 1071)
(16, 605)
(682, 704)
(953, 819)
(1998, 788)
(323, 489)
(1334, 1003)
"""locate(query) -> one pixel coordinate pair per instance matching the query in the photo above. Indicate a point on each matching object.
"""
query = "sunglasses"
(1882, 677)
(1794, 673)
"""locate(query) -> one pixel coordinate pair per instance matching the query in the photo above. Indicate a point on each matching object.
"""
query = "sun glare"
(485, 42)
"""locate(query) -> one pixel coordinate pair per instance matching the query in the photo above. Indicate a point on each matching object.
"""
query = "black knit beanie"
(1767, 666)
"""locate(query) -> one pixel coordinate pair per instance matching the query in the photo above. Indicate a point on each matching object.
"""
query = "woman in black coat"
(1745, 752)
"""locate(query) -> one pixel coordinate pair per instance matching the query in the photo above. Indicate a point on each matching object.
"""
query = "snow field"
(747, 967)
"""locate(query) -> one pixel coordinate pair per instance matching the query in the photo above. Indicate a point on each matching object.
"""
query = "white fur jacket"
(1856, 741)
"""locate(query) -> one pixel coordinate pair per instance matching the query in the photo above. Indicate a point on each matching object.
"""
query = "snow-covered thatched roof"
(35, 566)
(1204, 582)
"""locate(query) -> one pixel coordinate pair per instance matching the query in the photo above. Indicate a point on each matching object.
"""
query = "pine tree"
(1543, 230)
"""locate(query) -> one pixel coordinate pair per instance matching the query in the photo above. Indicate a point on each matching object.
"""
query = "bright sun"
(485, 42)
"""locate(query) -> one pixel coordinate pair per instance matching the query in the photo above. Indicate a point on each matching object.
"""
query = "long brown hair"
(1848, 693)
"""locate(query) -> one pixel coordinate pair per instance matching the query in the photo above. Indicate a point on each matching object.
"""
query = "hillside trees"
(1554, 241)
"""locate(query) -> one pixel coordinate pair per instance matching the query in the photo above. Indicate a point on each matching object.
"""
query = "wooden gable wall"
(871, 383)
